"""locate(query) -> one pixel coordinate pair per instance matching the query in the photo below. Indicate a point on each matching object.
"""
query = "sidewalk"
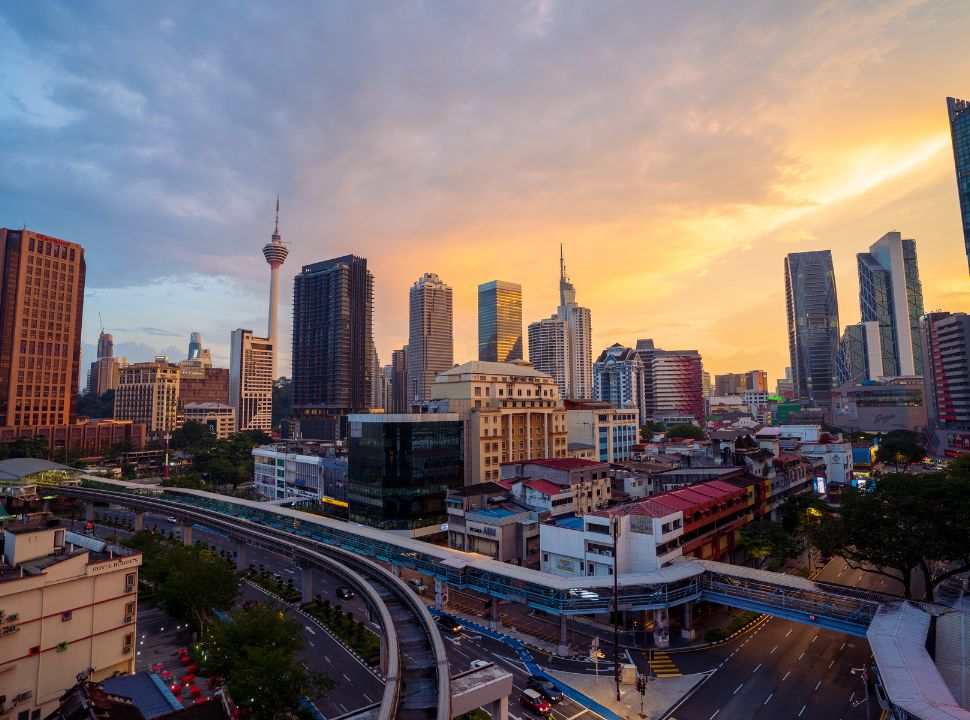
(662, 694)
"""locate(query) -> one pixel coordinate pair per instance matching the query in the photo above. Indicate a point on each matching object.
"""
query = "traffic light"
(642, 684)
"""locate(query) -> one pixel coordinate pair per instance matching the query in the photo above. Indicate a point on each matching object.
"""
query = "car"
(418, 586)
(535, 702)
(545, 687)
(345, 593)
(449, 623)
(479, 664)
(171, 520)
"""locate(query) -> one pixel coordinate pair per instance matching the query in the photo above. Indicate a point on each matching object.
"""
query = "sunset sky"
(677, 150)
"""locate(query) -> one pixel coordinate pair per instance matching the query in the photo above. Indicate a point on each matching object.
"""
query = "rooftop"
(481, 367)
(668, 502)
(546, 487)
(570, 522)
(482, 488)
(19, 468)
(559, 463)
(497, 512)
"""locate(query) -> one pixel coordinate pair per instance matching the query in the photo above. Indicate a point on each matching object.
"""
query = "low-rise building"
(611, 431)
(589, 481)
(68, 603)
(88, 438)
(218, 417)
(484, 518)
(880, 406)
(302, 470)
(835, 453)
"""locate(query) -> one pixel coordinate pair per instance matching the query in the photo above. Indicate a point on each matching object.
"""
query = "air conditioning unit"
(128, 618)
(126, 649)
(129, 588)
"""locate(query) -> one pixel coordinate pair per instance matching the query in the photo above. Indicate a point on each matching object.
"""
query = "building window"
(62, 647)
(35, 650)
(65, 616)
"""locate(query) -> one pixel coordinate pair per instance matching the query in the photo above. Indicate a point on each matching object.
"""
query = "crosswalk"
(663, 666)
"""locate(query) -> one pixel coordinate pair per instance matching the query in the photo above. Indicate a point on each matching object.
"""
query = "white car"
(171, 520)
(478, 664)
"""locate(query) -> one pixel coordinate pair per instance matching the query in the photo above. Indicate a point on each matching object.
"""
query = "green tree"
(686, 430)
(93, 406)
(282, 401)
(193, 435)
(902, 525)
(258, 653)
(900, 448)
(762, 540)
(650, 427)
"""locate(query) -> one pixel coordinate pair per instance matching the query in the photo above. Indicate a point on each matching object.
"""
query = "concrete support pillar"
(687, 632)
(563, 635)
(242, 557)
(306, 584)
(384, 666)
(396, 570)
(186, 534)
(139, 521)
(661, 628)
(493, 614)
(89, 512)
(440, 593)
(498, 709)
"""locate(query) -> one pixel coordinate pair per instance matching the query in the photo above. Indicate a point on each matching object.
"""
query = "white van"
(418, 586)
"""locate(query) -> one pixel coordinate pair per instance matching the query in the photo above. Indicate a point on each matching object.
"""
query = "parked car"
(545, 687)
(345, 593)
(418, 586)
(535, 702)
(449, 623)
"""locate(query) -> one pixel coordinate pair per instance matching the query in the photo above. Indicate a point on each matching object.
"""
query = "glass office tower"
(959, 112)
(813, 324)
(400, 468)
(499, 321)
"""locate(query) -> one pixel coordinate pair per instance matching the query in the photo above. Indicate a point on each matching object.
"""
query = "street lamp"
(168, 436)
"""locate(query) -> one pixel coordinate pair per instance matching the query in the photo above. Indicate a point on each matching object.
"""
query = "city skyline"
(852, 164)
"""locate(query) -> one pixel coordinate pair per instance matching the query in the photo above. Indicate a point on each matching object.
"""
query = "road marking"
(773, 650)
(769, 698)
(819, 684)
(815, 638)
(715, 714)
(342, 707)
(786, 676)
(367, 697)
(843, 647)
(801, 656)
(802, 710)
(310, 629)
(831, 664)
(737, 688)
(345, 677)
(852, 696)
(756, 669)
(581, 712)
(789, 632)
(328, 659)
(310, 643)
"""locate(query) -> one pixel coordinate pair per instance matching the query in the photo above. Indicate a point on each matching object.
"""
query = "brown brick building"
(90, 437)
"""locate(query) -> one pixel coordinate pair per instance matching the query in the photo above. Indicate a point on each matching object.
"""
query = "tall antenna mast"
(101, 322)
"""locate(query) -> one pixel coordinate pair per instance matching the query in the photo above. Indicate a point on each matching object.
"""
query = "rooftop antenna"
(100, 322)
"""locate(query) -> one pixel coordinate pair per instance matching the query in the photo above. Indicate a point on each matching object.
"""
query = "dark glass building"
(401, 468)
(959, 112)
(499, 321)
(332, 345)
(813, 324)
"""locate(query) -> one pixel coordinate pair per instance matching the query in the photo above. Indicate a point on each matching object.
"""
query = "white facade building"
(279, 473)
(430, 335)
(251, 361)
(549, 350)
(611, 431)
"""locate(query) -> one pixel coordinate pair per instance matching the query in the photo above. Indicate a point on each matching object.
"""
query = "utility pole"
(616, 605)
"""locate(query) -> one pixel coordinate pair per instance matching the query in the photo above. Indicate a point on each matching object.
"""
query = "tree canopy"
(686, 430)
(282, 401)
(94, 406)
(903, 525)
(762, 540)
(227, 461)
(25, 447)
(900, 448)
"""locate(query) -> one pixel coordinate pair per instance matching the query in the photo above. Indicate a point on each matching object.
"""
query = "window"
(130, 608)
(35, 650)
(65, 616)
(62, 647)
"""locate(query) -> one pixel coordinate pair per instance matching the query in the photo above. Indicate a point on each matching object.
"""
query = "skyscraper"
(41, 302)
(148, 393)
(332, 344)
(399, 381)
(251, 380)
(275, 253)
(617, 378)
(105, 372)
(549, 350)
(890, 294)
(430, 335)
(860, 354)
(195, 346)
(499, 321)
(959, 112)
(946, 342)
(813, 324)
(672, 384)
(579, 345)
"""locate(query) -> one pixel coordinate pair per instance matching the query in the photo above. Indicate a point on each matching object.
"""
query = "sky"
(677, 151)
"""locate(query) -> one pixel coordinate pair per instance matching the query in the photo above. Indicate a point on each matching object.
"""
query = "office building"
(85, 437)
(148, 393)
(387, 386)
(400, 469)
(430, 335)
(41, 302)
(891, 295)
(737, 383)
(611, 431)
(500, 321)
(511, 411)
(106, 369)
(673, 384)
(399, 382)
(706, 387)
(549, 350)
(199, 383)
(197, 354)
(333, 347)
(813, 324)
(946, 348)
(860, 354)
(68, 603)
(959, 114)
(251, 380)
(785, 387)
(219, 418)
(579, 338)
(377, 381)
(617, 377)
(880, 406)
(302, 470)
(275, 253)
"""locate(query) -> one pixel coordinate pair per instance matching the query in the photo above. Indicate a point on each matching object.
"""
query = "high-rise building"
(332, 345)
(813, 324)
(672, 384)
(275, 253)
(959, 113)
(196, 351)
(377, 381)
(579, 336)
(549, 350)
(785, 387)
(946, 349)
(400, 469)
(106, 345)
(511, 411)
(106, 370)
(617, 378)
(706, 383)
(399, 382)
(148, 393)
(499, 321)
(860, 354)
(387, 386)
(251, 380)
(891, 295)
(41, 302)
(737, 383)
(430, 335)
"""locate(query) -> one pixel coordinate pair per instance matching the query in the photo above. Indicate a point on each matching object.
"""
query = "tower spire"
(276, 232)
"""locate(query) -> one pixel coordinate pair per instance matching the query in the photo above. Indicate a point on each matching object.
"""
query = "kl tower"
(275, 253)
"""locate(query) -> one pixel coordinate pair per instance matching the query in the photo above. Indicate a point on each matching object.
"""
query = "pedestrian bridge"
(830, 606)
